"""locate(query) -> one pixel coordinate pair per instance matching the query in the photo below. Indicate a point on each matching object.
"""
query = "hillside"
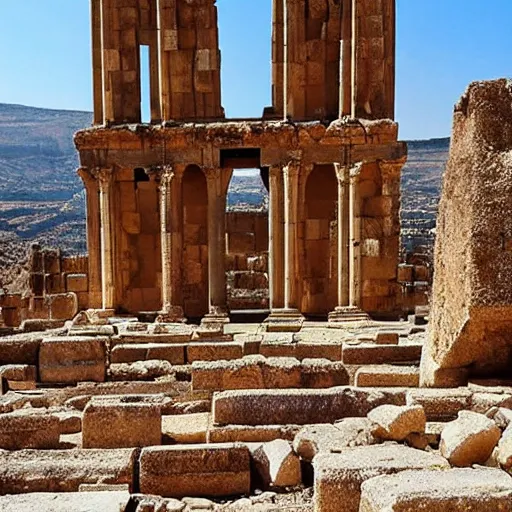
(42, 199)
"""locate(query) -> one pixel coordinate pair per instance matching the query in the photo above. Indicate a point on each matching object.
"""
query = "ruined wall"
(471, 314)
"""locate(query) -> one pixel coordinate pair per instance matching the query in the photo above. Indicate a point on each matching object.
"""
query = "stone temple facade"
(327, 149)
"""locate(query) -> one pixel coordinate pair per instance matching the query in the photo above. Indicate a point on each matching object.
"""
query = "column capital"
(341, 171)
(161, 174)
(355, 170)
(292, 167)
(104, 176)
(87, 176)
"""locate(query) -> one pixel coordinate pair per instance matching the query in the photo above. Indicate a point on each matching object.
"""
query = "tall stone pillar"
(105, 178)
(289, 318)
(170, 312)
(276, 237)
(93, 237)
(217, 182)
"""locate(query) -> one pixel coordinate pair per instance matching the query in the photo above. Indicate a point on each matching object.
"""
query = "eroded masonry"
(326, 148)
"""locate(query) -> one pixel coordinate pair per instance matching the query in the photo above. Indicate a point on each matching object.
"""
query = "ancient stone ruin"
(127, 381)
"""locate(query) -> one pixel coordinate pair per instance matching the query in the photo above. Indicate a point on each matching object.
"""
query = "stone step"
(368, 354)
(387, 376)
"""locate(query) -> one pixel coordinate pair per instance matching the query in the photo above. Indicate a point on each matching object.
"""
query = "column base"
(284, 320)
(344, 314)
(171, 315)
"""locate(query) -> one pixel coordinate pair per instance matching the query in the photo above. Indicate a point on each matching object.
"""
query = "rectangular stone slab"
(28, 471)
(19, 349)
(195, 470)
(479, 490)
(381, 354)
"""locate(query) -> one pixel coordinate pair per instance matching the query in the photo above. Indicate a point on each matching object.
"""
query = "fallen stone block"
(195, 471)
(281, 373)
(276, 344)
(18, 372)
(113, 501)
(214, 351)
(185, 428)
(298, 406)
(387, 376)
(251, 433)
(348, 433)
(504, 451)
(27, 471)
(72, 359)
(470, 439)
(19, 349)
(479, 490)
(503, 417)
(366, 354)
(122, 422)
(440, 404)
(174, 353)
(27, 428)
(483, 402)
(70, 422)
(277, 465)
(395, 423)
(322, 373)
(385, 337)
(317, 350)
(140, 370)
(339, 476)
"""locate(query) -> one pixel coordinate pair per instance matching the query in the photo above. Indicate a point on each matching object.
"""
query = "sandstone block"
(186, 428)
(251, 433)
(29, 429)
(482, 490)
(77, 283)
(19, 349)
(470, 439)
(18, 372)
(198, 470)
(387, 376)
(113, 501)
(317, 350)
(387, 338)
(214, 351)
(395, 423)
(28, 471)
(277, 465)
(140, 370)
(338, 477)
(381, 354)
(121, 422)
(440, 404)
(72, 359)
(174, 353)
(322, 373)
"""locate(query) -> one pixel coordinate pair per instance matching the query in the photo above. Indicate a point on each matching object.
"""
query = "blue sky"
(442, 45)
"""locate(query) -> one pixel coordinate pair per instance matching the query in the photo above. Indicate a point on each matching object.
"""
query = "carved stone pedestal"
(284, 320)
(347, 314)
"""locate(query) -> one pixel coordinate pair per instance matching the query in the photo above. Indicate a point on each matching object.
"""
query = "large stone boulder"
(471, 312)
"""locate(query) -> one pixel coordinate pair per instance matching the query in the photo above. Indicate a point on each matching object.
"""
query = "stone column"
(355, 237)
(93, 237)
(276, 237)
(169, 312)
(217, 190)
(342, 174)
(354, 70)
(105, 178)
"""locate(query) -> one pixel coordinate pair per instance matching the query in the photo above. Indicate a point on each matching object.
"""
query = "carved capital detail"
(104, 177)
(355, 170)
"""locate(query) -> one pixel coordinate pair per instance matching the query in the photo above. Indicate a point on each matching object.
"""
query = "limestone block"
(18, 372)
(277, 465)
(214, 351)
(62, 306)
(20, 349)
(338, 477)
(72, 359)
(482, 490)
(440, 404)
(347, 433)
(322, 373)
(196, 470)
(251, 433)
(387, 376)
(25, 428)
(113, 501)
(385, 337)
(77, 283)
(472, 302)
(395, 423)
(318, 350)
(28, 471)
(503, 417)
(381, 354)
(504, 451)
(70, 422)
(121, 422)
(281, 372)
(174, 353)
(470, 439)
(185, 428)
(140, 370)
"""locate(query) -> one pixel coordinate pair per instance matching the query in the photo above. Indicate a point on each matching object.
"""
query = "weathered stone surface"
(115, 501)
(26, 428)
(198, 470)
(20, 349)
(395, 423)
(64, 470)
(348, 433)
(504, 451)
(482, 490)
(323, 373)
(440, 404)
(72, 359)
(503, 417)
(470, 439)
(338, 477)
(277, 465)
(174, 353)
(214, 351)
(298, 406)
(186, 428)
(471, 314)
(387, 376)
(122, 422)
(381, 354)
(251, 433)
(140, 370)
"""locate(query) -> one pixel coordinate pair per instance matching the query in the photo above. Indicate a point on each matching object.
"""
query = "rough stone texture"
(338, 477)
(471, 313)
(214, 351)
(64, 470)
(348, 433)
(186, 428)
(251, 434)
(470, 439)
(440, 404)
(122, 422)
(73, 359)
(504, 452)
(66, 502)
(20, 349)
(198, 470)
(395, 423)
(277, 465)
(479, 490)
(174, 353)
(387, 376)
(140, 370)
(381, 354)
